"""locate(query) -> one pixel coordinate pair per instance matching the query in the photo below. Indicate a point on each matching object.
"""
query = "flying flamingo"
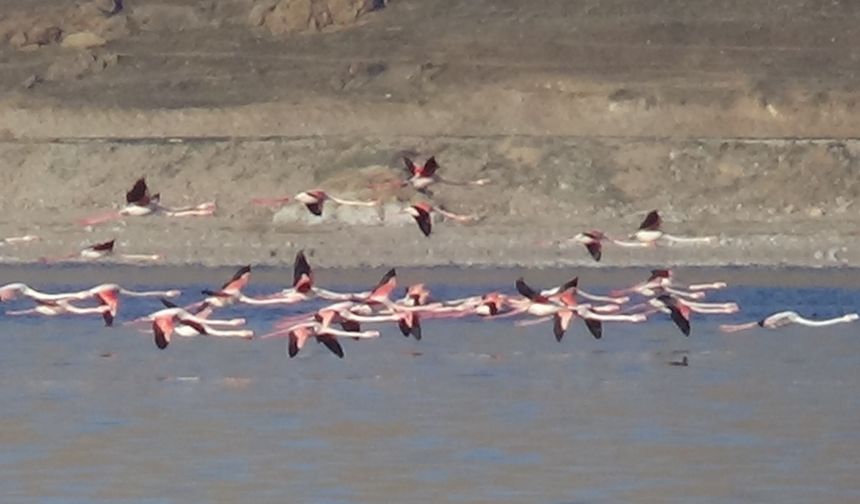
(421, 177)
(231, 290)
(534, 303)
(660, 281)
(100, 250)
(568, 307)
(167, 321)
(140, 202)
(785, 318)
(64, 307)
(204, 311)
(12, 240)
(422, 211)
(614, 301)
(593, 241)
(299, 334)
(650, 231)
(314, 200)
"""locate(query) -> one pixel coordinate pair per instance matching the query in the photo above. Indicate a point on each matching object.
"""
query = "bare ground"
(736, 119)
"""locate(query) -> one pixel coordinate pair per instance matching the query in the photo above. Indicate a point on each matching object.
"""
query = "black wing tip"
(595, 327)
(570, 284)
(315, 208)
(389, 275)
(404, 328)
(524, 289)
(425, 225)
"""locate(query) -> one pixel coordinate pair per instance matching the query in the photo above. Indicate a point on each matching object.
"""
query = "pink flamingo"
(299, 334)
(314, 200)
(64, 307)
(650, 230)
(139, 202)
(566, 307)
(168, 321)
(100, 250)
(421, 177)
(785, 318)
(12, 240)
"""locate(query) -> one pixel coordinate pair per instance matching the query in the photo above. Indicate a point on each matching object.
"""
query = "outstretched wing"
(430, 167)
(139, 193)
(104, 247)
(595, 249)
(595, 327)
(652, 222)
(331, 343)
(303, 278)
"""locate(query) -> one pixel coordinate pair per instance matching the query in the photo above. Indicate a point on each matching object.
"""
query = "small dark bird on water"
(684, 362)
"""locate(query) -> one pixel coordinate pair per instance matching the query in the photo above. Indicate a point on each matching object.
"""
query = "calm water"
(476, 412)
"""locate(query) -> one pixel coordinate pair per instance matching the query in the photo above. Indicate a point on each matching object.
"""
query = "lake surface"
(476, 412)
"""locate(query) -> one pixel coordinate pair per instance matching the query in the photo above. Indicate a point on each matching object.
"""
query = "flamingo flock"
(347, 314)
(140, 202)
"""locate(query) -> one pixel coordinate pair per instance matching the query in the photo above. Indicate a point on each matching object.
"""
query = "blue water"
(475, 412)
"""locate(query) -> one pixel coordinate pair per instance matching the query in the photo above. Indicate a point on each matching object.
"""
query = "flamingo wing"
(386, 285)
(350, 325)
(595, 327)
(410, 166)
(238, 281)
(528, 292)
(293, 345)
(103, 247)
(331, 343)
(110, 299)
(422, 218)
(652, 221)
(430, 167)
(560, 324)
(315, 208)
(200, 328)
(162, 328)
(595, 249)
(303, 278)
(139, 193)
(679, 313)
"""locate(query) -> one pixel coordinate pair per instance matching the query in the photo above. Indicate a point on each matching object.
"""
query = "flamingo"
(12, 240)
(103, 249)
(593, 241)
(422, 211)
(204, 311)
(165, 323)
(300, 333)
(314, 200)
(660, 281)
(421, 177)
(64, 307)
(650, 230)
(785, 318)
(140, 202)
